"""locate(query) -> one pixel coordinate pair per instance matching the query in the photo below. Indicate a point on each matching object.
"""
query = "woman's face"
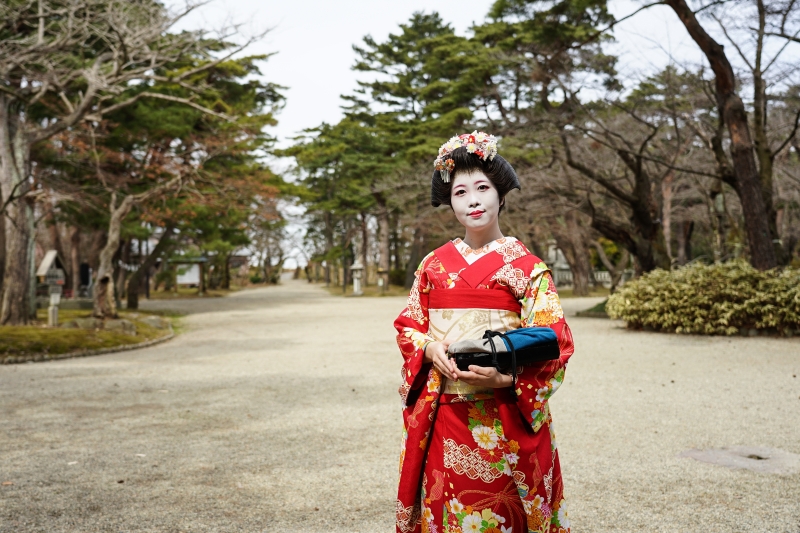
(475, 200)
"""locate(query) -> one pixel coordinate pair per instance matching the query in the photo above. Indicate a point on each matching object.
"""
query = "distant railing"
(563, 278)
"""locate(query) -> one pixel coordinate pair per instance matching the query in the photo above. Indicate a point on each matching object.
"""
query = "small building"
(190, 272)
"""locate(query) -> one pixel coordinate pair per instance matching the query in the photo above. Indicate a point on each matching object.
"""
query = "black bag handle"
(489, 334)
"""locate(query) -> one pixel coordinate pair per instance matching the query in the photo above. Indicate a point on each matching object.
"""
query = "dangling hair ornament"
(479, 143)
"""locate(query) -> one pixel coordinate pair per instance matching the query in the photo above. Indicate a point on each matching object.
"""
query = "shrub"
(255, 279)
(718, 299)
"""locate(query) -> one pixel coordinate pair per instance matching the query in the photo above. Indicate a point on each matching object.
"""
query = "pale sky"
(313, 43)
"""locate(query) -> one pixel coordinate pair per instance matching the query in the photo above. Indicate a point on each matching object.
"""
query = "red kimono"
(473, 459)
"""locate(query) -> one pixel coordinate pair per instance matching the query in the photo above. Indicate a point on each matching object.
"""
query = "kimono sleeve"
(537, 383)
(412, 332)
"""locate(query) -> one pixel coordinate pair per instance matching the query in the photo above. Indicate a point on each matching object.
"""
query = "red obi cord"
(473, 299)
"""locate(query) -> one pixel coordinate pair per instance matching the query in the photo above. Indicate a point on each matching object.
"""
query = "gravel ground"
(277, 411)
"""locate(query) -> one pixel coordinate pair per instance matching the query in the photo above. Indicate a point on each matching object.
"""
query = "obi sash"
(473, 299)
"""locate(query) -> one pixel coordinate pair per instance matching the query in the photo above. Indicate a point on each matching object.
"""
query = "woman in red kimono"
(479, 453)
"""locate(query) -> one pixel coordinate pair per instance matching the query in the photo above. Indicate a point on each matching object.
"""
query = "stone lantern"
(51, 272)
(357, 270)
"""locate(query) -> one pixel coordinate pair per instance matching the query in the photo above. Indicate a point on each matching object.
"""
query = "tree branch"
(594, 176)
(146, 94)
(790, 137)
(611, 26)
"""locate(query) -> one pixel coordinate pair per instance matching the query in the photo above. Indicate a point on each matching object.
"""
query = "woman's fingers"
(485, 371)
(442, 363)
(437, 362)
(451, 367)
(479, 376)
(467, 375)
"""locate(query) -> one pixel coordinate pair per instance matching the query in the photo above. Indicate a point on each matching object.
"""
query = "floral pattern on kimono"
(522, 456)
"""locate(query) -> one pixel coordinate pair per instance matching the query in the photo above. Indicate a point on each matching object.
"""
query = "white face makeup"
(475, 201)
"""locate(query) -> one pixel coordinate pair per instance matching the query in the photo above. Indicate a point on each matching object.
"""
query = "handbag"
(520, 347)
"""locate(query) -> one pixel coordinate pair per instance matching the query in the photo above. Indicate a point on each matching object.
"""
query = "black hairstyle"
(498, 170)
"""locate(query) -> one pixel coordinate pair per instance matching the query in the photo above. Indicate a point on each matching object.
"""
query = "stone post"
(357, 271)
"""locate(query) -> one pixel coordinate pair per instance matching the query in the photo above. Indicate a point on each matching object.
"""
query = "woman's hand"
(436, 353)
(484, 376)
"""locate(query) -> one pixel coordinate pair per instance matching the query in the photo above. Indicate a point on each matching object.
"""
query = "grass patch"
(598, 311)
(38, 338)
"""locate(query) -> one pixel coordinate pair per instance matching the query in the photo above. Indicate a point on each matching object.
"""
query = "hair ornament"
(478, 142)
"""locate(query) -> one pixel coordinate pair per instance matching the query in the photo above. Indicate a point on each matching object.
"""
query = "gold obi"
(459, 324)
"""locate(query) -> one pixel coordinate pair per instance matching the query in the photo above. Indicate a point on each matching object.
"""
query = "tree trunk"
(685, 242)
(395, 238)
(98, 240)
(666, 211)
(646, 246)
(644, 238)
(688, 229)
(615, 271)
(2, 244)
(122, 270)
(534, 242)
(364, 249)
(328, 219)
(105, 305)
(751, 194)
(75, 262)
(761, 138)
(226, 272)
(569, 238)
(417, 251)
(383, 241)
(104, 302)
(578, 264)
(19, 224)
(717, 211)
(135, 281)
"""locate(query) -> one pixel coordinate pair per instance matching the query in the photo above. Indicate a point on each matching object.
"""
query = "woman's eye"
(459, 192)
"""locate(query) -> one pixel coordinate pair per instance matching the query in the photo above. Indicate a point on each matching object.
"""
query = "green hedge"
(721, 299)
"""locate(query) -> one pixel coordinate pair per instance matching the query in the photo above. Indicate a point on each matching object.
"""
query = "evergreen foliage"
(719, 299)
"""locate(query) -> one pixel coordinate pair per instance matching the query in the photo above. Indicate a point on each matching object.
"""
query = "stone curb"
(38, 357)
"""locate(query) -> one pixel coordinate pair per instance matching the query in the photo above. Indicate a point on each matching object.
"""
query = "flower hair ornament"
(479, 143)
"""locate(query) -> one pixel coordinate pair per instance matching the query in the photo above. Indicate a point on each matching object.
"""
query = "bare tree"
(615, 270)
(67, 61)
(732, 111)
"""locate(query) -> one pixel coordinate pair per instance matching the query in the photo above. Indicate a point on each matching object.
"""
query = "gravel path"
(277, 411)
